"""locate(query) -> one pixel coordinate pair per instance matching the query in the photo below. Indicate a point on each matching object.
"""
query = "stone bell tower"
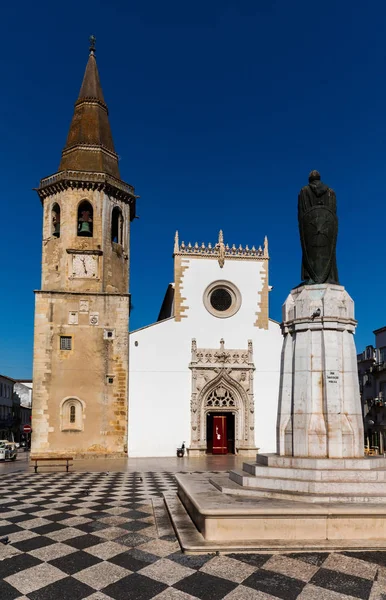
(82, 310)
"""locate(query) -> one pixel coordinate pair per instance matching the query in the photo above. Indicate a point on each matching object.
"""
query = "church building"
(206, 373)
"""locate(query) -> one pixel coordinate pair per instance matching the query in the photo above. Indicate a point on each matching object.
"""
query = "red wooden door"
(220, 442)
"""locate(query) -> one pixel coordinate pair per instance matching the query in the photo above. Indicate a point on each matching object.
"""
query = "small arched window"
(55, 213)
(117, 226)
(85, 219)
(72, 413)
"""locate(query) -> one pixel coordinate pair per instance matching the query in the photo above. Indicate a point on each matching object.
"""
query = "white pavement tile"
(110, 533)
(166, 571)
(290, 567)
(53, 551)
(228, 568)
(101, 575)
(245, 593)
(351, 566)
(106, 550)
(35, 578)
(160, 547)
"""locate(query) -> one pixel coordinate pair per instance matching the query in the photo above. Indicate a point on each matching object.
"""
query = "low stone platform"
(359, 480)
(226, 521)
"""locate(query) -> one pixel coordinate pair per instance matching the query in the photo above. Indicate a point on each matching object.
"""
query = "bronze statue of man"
(318, 228)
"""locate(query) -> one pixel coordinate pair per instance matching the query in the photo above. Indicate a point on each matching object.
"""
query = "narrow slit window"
(117, 226)
(56, 220)
(72, 413)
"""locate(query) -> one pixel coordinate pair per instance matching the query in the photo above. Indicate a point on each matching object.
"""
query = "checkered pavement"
(106, 536)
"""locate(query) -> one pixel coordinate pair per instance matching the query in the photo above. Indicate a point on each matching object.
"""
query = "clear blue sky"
(219, 109)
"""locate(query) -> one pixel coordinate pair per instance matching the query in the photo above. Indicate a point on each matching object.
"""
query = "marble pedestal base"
(206, 520)
(319, 411)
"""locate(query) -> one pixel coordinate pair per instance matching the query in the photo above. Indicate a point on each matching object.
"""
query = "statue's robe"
(314, 194)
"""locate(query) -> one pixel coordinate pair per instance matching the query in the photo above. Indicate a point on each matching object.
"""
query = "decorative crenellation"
(220, 250)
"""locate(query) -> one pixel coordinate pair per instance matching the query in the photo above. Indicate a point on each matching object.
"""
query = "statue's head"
(314, 176)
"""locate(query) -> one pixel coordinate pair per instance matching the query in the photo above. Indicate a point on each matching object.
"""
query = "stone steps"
(292, 462)
(228, 486)
(292, 484)
(330, 475)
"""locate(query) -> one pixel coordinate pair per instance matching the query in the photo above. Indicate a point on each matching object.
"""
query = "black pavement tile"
(60, 516)
(134, 525)
(193, 561)
(275, 584)
(255, 560)
(8, 592)
(342, 583)
(312, 558)
(134, 587)
(75, 562)
(146, 557)
(135, 514)
(206, 587)
(96, 515)
(92, 526)
(168, 538)
(128, 561)
(33, 543)
(21, 518)
(84, 541)
(8, 529)
(377, 557)
(20, 562)
(49, 528)
(64, 589)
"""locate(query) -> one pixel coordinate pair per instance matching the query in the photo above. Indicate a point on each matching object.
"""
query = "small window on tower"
(117, 226)
(56, 220)
(85, 222)
(72, 413)
(65, 342)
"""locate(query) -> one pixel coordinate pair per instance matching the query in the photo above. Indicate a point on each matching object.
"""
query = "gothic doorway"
(220, 425)
(222, 385)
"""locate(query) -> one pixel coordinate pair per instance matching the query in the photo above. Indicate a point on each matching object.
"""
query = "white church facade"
(207, 372)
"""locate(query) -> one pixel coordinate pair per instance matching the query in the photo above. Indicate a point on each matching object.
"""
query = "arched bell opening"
(117, 226)
(85, 219)
(55, 214)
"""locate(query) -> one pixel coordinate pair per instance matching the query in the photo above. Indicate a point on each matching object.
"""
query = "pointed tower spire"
(90, 145)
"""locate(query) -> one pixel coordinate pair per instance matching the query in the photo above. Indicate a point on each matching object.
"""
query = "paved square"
(107, 536)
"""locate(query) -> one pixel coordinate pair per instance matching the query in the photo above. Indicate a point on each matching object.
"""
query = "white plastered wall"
(160, 378)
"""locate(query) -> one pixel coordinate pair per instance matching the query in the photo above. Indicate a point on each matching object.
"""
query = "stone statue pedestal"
(319, 413)
(318, 491)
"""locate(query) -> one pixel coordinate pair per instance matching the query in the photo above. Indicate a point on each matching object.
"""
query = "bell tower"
(82, 309)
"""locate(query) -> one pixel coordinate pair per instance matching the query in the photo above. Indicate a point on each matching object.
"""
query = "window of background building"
(382, 354)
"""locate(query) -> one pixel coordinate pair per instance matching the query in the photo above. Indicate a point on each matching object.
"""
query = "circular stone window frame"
(231, 289)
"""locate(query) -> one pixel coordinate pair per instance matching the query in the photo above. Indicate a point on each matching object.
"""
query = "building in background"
(372, 382)
(6, 406)
(15, 407)
(207, 373)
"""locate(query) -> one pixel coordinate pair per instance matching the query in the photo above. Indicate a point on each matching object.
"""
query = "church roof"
(90, 145)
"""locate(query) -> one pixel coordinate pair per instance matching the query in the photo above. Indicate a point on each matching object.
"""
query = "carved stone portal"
(222, 381)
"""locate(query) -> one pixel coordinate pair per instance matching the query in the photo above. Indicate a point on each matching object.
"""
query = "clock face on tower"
(85, 265)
